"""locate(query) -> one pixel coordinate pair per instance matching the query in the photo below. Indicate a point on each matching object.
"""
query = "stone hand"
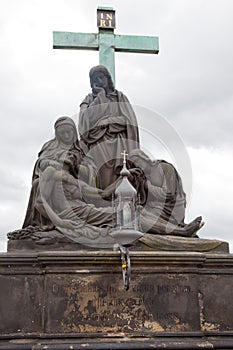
(103, 123)
(97, 89)
(135, 171)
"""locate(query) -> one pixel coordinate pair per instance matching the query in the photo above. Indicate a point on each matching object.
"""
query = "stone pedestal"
(76, 300)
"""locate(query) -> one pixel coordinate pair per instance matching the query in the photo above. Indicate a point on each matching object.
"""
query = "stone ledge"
(169, 342)
(97, 257)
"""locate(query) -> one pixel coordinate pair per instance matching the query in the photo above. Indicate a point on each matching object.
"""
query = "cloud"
(190, 81)
(207, 124)
(212, 191)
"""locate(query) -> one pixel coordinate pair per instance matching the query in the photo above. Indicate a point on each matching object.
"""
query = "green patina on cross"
(106, 41)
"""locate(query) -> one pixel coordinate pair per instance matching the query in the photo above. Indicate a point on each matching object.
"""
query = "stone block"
(54, 298)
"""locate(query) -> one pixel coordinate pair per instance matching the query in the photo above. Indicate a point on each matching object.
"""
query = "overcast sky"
(188, 87)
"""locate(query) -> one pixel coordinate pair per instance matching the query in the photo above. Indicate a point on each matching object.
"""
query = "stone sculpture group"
(75, 177)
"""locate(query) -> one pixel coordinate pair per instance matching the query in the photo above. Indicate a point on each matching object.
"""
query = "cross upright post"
(106, 42)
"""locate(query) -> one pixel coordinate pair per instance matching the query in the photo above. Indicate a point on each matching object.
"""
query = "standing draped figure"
(107, 126)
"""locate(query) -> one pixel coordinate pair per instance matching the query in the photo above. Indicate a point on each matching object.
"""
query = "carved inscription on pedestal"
(100, 303)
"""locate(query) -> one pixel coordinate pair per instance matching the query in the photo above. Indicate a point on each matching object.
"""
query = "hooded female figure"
(62, 152)
(107, 126)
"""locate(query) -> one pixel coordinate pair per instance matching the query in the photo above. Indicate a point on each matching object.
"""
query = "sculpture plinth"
(63, 299)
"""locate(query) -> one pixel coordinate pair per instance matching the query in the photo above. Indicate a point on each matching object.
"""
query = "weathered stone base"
(76, 300)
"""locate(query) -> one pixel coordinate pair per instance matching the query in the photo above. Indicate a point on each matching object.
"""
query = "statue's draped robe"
(77, 213)
(168, 200)
(51, 150)
(71, 210)
(61, 196)
(107, 127)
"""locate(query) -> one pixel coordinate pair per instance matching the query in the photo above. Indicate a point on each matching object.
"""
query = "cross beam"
(106, 42)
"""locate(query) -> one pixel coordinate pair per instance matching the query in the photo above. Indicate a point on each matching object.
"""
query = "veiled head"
(96, 71)
(140, 158)
(65, 130)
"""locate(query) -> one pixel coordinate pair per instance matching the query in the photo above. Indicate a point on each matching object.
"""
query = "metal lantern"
(126, 231)
(126, 210)
(125, 203)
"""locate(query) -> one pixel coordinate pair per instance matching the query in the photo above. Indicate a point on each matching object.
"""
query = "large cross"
(106, 41)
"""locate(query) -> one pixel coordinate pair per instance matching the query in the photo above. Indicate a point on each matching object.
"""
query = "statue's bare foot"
(195, 225)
